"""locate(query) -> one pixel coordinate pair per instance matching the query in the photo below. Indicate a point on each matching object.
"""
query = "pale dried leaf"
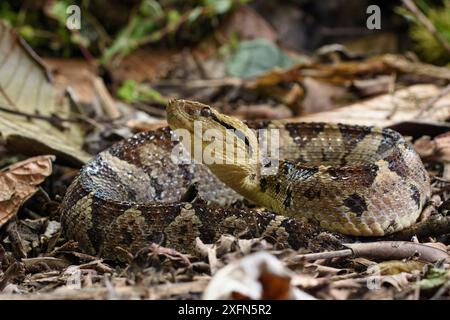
(26, 87)
(398, 281)
(257, 276)
(305, 280)
(425, 146)
(19, 182)
(339, 294)
(371, 87)
(321, 96)
(402, 105)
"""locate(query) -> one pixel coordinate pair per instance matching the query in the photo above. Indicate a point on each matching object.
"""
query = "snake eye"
(206, 112)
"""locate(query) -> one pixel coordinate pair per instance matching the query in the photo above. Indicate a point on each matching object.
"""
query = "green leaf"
(57, 9)
(149, 94)
(27, 32)
(195, 13)
(255, 57)
(131, 91)
(434, 277)
(150, 8)
(173, 16)
(128, 91)
(222, 6)
(219, 6)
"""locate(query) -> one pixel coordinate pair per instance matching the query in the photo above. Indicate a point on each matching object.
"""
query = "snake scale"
(355, 180)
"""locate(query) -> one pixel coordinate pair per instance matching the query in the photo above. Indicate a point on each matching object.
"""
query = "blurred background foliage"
(112, 29)
(424, 42)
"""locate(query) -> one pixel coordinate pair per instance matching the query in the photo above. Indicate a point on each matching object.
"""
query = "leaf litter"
(36, 262)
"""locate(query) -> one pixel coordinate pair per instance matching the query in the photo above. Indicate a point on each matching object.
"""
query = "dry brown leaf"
(257, 276)
(19, 182)
(437, 149)
(425, 147)
(427, 71)
(172, 254)
(26, 88)
(443, 147)
(249, 25)
(263, 111)
(74, 73)
(321, 96)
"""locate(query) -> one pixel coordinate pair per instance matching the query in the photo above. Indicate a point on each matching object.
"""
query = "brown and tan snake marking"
(356, 180)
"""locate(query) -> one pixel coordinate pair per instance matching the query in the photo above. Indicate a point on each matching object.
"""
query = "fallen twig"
(434, 226)
(54, 119)
(322, 255)
(50, 262)
(387, 250)
(210, 83)
(16, 242)
(381, 250)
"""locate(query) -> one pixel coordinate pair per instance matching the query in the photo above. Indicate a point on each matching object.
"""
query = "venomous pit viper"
(356, 180)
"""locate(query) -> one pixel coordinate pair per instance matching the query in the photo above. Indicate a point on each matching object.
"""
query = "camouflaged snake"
(356, 180)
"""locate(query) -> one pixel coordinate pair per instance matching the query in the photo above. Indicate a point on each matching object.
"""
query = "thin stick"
(53, 119)
(411, 6)
(215, 83)
(322, 255)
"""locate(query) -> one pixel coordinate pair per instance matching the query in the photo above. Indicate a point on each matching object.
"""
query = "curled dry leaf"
(257, 276)
(19, 182)
(399, 281)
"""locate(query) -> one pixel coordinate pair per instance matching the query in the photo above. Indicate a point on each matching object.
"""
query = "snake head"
(227, 146)
(206, 124)
(182, 114)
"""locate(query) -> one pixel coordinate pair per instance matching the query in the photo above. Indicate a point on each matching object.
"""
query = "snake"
(251, 179)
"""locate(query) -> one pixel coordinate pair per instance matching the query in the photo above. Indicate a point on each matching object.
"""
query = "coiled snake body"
(356, 180)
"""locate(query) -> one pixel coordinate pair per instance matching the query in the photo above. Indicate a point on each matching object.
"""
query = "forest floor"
(387, 90)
